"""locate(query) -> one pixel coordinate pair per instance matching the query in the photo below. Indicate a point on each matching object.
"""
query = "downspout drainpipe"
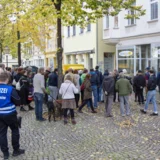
(97, 42)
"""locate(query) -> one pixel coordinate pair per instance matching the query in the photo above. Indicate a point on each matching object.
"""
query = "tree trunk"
(19, 48)
(59, 51)
(0, 52)
(59, 42)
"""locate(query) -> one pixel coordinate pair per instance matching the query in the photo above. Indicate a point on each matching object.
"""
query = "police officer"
(8, 116)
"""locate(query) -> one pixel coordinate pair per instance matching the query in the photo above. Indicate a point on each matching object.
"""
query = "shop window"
(68, 31)
(127, 53)
(154, 9)
(74, 30)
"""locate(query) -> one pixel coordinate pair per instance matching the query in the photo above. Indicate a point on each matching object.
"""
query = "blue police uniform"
(8, 118)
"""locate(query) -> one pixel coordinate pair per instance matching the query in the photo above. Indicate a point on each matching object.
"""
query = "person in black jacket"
(53, 84)
(151, 94)
(139, 84)
(108, 86)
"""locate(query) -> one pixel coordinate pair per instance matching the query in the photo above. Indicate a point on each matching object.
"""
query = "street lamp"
(6, 52)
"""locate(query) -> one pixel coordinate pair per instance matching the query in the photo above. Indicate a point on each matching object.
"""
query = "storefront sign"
(125, 53)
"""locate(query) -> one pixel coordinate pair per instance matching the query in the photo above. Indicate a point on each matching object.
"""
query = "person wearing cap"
(151, 94)
(124, 89)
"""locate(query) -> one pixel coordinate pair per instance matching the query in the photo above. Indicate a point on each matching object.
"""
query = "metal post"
(7, 60)
(19, 48)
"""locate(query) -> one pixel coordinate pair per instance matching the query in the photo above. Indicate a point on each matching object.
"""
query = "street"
(94, 137)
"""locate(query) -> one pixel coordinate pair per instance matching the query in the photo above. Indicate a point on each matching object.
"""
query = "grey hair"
(40, 70)
(68, 77)
(2, 66)
(121, 75)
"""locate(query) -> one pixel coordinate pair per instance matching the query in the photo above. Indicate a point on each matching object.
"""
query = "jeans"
(38, 99)
(94, 91)
(12, 122)
(99, 93)
(124, 101)
(85, 102)
(151, 97)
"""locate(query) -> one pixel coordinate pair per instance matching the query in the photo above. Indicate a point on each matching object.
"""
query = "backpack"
(82, 87)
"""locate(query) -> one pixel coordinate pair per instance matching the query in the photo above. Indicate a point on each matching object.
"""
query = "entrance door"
(108, 61)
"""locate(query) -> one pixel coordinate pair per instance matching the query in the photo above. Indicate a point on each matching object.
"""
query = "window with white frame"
(81, 30)
(154, 9)
(68, 31)
(89, 27)
(132, 21)
(107, 21)
(74, 30)
(116, 21)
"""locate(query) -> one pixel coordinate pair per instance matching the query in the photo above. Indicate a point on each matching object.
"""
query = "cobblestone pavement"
(93, 138)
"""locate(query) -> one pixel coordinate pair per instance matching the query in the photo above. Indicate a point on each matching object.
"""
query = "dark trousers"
(82, 94)
(71, 112)
(77, 96)
(114, 98)
(140, 96)
(12, 122)
(85, 102)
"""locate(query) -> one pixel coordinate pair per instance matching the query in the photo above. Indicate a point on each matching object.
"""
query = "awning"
(81, 52)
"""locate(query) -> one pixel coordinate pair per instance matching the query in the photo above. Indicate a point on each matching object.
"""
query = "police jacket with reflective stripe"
(6, 105)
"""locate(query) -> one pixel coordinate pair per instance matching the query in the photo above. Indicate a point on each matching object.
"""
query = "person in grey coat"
(108, 89)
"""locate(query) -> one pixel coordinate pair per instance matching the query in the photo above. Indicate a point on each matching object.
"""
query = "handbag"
(14, 82)
(18, 86)
(82, 87)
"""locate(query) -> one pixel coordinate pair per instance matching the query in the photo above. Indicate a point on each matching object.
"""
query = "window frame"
(74, 30)
(151, 3)
(68, 31)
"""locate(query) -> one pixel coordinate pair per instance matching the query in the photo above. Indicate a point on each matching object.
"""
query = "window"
(107, 21)
(154, 9)
(68, 31)
(89, 27)
(81, 30)
(116, 21)
(74, 30)
(131, 21)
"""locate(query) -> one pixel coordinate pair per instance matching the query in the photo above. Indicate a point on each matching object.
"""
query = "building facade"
(137, 40)
(85, 46)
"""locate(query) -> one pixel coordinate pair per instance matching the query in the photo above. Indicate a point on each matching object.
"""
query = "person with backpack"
(87, 94)
(100, 79)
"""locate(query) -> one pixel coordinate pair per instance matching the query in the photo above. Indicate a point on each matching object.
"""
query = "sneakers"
(94, 112)
(109, 115)
(154, 114)
(42, 120)
(6, 155)
(143, 111)
(18, 152)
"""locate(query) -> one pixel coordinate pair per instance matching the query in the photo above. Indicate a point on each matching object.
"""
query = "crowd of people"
(19, 87)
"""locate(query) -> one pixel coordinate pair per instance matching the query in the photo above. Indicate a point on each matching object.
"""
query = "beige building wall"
(104, 49)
